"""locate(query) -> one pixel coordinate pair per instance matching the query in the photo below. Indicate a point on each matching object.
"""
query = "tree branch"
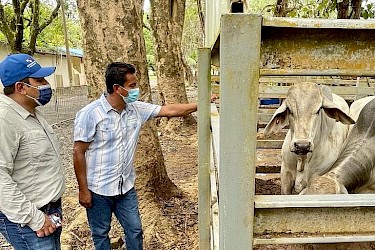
(201, 14)
(16, 7)
(18, 26)
(34, 28)
(54, 14)
(23, 5)
(4, 27)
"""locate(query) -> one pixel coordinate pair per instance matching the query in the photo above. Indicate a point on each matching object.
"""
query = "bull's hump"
(366, 120)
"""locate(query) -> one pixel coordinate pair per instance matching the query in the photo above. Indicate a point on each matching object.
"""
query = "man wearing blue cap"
(31, 174)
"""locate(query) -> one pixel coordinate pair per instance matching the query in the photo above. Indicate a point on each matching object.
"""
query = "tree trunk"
(112, 31)
(201, 7)
(343, 9)
(356, 9)
(349, 9)
(188, 73)
(281, 8)
(167, 21)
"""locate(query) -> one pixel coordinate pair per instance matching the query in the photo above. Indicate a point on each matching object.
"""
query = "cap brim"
(43, 72)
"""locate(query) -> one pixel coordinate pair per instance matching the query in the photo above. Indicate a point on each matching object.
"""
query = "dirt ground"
(182, 212)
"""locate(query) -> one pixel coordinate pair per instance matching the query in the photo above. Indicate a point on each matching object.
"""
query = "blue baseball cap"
(19, 66)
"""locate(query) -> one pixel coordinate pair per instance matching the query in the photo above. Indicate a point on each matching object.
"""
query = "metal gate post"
(239, 62)
(204, 91)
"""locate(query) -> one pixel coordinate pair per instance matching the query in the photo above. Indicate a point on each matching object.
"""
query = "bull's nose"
(302, 147)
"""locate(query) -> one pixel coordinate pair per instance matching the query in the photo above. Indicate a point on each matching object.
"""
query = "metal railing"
(231, 216)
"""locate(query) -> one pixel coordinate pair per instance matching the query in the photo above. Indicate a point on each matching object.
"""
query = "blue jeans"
(24, 238)
(125, 208)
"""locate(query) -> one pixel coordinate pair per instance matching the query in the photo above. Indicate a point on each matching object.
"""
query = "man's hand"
(47, 229)
(85, 198)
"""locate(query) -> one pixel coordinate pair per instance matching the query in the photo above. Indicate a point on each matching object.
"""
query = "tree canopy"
(27, 25)
(315, 8)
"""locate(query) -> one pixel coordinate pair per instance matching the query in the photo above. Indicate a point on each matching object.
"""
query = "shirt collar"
(105, 104)
(15, 106)
(108, 107)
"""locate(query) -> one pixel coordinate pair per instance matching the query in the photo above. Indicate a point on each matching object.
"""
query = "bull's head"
(302, 110)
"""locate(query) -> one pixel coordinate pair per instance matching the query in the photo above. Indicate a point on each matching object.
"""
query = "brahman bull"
(315, 137)
(353, 171)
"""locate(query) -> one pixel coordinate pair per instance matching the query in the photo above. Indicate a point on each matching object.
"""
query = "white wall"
(60, 62)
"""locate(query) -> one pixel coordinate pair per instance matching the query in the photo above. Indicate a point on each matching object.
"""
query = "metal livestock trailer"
(247, 49)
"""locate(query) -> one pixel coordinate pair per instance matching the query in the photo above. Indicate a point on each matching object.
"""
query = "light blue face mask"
(133, 95)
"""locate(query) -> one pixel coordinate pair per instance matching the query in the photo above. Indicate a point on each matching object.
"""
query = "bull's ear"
(279, 120)
(334, 111)
(327, 92)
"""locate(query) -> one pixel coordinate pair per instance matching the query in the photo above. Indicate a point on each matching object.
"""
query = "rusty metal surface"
(315, 44)
(314, 214)
(315, 220)
(318, 23)
(314, 72)
(317, 48)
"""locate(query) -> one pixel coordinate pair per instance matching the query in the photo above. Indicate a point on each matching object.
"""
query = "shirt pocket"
(106, 131)
(132, 124)
(39, 145)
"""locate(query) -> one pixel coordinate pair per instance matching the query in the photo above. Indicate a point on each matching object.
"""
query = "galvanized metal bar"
(309, 201)
(239, 59)
(204, 92)
(320, 80)
(318, 23)
(214, 203)
(215, 128)
(347, 92)
(264, 118)
(269, 144)
(214, 10)
(215, 133)
(315, 239)
(312, 72)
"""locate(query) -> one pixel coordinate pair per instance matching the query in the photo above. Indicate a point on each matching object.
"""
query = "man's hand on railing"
(213, 97)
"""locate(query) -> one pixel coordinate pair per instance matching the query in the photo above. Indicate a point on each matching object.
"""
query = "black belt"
(52, 204)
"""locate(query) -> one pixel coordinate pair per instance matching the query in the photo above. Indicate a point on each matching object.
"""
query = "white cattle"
(353, 171)
(357, 106)
(315, 137)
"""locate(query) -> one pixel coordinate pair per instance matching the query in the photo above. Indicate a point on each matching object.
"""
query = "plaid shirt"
(113, 137)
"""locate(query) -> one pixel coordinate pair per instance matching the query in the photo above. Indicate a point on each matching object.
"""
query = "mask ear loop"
(33, 98)
(23, 83)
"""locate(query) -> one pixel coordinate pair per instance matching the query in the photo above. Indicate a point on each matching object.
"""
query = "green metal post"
(204, 93)
(239, 66)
